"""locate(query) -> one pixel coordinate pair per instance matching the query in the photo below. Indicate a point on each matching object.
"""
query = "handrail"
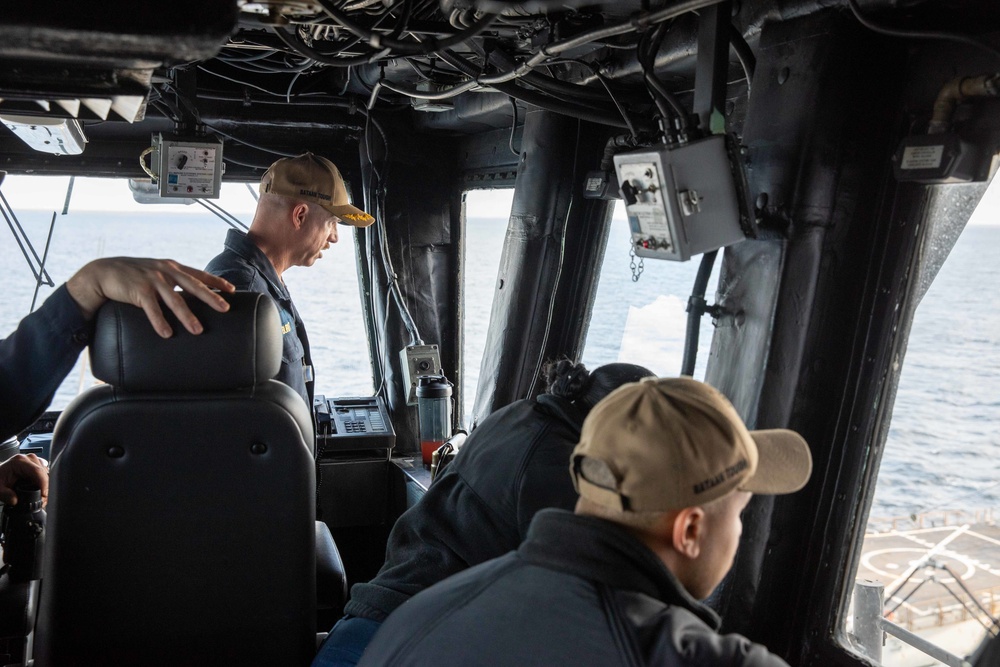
(921, 644)
(41, 266)
(869, 625)
(24, 243)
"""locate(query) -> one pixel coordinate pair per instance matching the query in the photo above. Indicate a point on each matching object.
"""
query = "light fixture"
(59, 136)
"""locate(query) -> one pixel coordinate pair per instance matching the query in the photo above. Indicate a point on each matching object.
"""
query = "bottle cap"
(433, 386)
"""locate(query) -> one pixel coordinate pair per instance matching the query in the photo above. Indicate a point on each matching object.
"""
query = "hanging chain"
(636, 268)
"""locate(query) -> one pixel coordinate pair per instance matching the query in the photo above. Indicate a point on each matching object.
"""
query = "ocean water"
(943, 449)
(942, 446)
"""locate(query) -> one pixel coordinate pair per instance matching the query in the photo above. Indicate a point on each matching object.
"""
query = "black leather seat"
(181, 526)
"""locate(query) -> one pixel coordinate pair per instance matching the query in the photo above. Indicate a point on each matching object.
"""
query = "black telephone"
(352, 423)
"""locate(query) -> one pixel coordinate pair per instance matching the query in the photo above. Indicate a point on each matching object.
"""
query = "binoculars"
(22, 533)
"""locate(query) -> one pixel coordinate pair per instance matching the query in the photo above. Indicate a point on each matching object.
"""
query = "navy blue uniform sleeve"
(36, 358)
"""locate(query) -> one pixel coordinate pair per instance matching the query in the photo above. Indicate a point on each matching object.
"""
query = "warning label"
(652, 220)
(922, 157)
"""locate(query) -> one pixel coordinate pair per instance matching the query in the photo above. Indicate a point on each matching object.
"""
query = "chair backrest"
(181, 521)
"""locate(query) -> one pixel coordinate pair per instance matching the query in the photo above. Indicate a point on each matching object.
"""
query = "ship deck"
(936, 575)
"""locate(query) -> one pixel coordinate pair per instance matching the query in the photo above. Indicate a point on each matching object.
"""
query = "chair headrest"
(237, 349)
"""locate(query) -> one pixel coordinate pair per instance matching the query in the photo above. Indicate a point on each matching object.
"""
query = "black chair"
(181, 522)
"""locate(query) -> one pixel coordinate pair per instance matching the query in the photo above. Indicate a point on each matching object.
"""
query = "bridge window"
(644, 321)
(930, 560)
(640, 322)
(486, 216)
(104, 221)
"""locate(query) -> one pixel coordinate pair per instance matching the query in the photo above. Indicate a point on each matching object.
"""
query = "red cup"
(427, 449)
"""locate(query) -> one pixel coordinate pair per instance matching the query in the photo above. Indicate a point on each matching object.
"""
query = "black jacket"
(515, 463)
(244, 265)
(579, 591)
(36, 358)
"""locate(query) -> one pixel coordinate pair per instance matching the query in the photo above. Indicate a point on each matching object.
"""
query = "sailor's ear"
(688, 531)
(299, 214)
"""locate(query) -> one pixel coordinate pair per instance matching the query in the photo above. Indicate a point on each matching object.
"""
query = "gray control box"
(187, 168)
(417, 360)
(680, 201)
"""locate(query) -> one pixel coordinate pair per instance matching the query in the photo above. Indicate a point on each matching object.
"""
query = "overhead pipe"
(958, 90)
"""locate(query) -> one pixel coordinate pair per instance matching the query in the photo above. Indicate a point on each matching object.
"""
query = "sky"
(101, 194)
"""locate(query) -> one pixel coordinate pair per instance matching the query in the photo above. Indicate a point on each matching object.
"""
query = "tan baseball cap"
(673, 443)
(312, 178)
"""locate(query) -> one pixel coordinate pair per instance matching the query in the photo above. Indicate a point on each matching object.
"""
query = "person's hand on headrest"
(20, 467)
(145, 283)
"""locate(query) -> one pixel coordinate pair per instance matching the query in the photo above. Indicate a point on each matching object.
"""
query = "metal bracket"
(712, 67)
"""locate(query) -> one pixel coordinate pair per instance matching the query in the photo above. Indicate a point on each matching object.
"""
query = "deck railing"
(930, 519)
(870, 626)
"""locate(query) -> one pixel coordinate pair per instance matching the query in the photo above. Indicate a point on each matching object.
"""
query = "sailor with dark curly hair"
(514, 464)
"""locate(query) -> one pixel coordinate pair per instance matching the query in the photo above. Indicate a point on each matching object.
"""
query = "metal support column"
(549, 267)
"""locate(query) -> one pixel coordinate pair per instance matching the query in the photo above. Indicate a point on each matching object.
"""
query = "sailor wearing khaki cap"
(664, 468)
(311, 178)
(301, 201)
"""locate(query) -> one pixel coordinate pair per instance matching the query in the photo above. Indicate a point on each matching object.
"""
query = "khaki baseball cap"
(312, 178)
(675, 442)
